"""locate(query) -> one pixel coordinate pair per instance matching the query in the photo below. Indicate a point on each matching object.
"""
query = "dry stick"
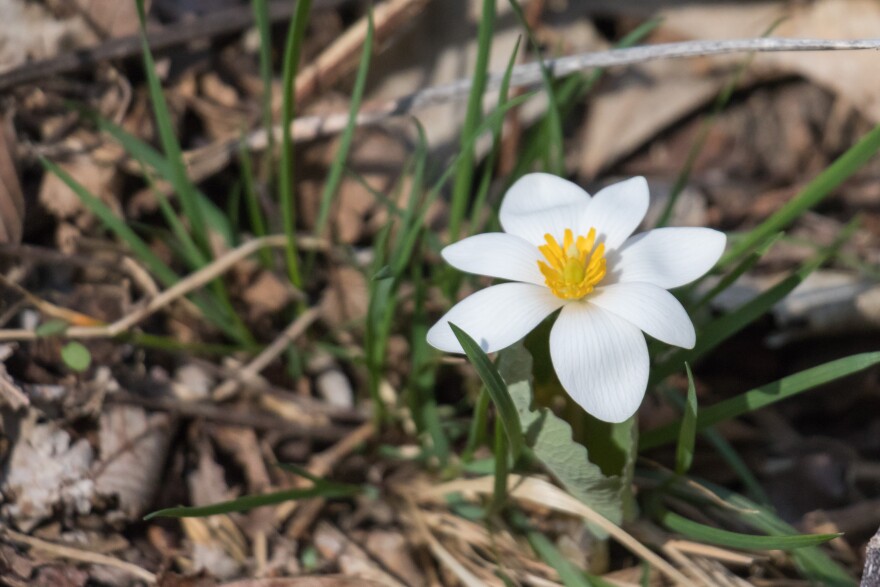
(525, 76)
(213, 24)
(321, 465)
(222, 414)
(194, 281)
(78, 554)
(250, 371)
(342, 54)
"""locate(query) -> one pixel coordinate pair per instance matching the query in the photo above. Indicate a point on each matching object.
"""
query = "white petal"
(537, 191)
(601, 361)
(540, 203)
(651, 308)
(616, 211)
(667, 257)
(497, 254)
(495, 317)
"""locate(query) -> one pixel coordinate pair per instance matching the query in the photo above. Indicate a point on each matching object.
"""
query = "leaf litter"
(86, 455)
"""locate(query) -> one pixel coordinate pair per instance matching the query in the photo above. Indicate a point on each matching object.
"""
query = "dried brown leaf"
(133, 447)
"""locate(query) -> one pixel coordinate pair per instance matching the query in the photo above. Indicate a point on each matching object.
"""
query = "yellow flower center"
(573, 269)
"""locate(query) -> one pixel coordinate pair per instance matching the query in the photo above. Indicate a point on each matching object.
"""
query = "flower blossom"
(562, 248)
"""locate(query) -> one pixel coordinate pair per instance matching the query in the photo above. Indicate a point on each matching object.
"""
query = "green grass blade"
(742, 267)
(462, 187)
(766, 395)
(479, 423)
(571, 92)
(835, 174)
(687, 435)
(496, 387)
(288, 207)
(697, 146)
(499, 489)
(552, 123)
(489, 165)
(726, 326)
(334, 178)
(325, 490)
(264, 27)
(570, 575)
(146, 154)
(252, 201)
(117, 225)
(812, 561)
(194, 257)
(186, 192)
(710, 535)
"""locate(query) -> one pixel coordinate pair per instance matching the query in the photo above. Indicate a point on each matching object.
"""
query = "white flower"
(562, 248)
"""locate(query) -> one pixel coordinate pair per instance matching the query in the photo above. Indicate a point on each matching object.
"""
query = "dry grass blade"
(337, 59)
(78, 554)
(296, 328)
(545, 494)
(191, 283)
(467, 578)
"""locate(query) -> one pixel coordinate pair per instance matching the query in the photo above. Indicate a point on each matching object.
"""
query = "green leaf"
(550, 439)
(684, 454)
(51, 328)
(76, 356)
(708, 534)
(765, 395)
(496, 388)
(326, 489)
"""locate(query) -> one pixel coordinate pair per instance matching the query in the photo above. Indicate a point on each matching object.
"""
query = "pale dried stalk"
(250, 371)
(523, 76)
(191, 283)
(78, 554)
(547, 495)
(339, 57)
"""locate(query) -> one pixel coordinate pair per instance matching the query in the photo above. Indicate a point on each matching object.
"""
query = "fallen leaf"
(111, 18)
(848, 74)
(345, 300)
(47, 471)
(133, 447)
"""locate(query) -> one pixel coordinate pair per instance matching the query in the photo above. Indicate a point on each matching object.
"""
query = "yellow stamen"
(572, 270)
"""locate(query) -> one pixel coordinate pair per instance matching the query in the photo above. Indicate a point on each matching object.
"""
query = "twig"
(527, 75)
(328, 67)
(321, 431)
(320, 465)
(213, 24)
(79, 554)
(194, 281)
(296, 328)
